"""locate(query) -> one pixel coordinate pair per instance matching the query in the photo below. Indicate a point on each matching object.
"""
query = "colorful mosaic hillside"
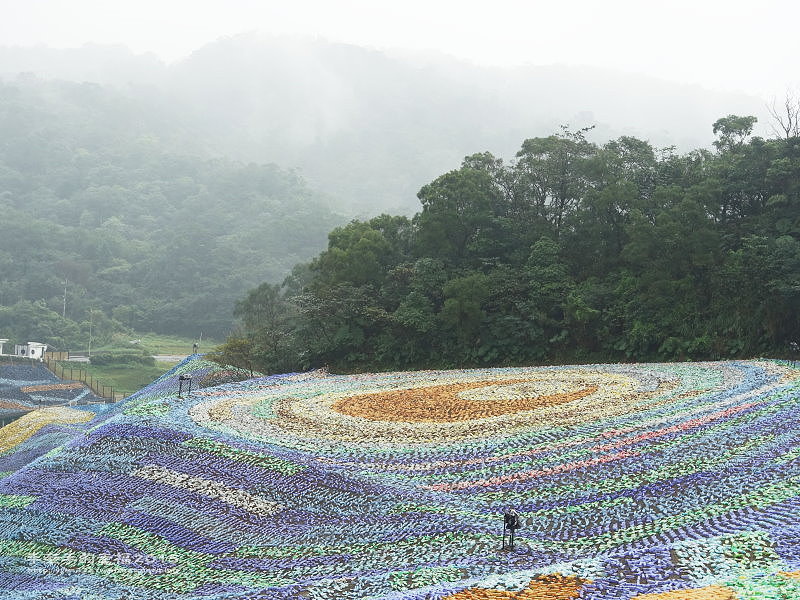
(648, 482)
(26, 386)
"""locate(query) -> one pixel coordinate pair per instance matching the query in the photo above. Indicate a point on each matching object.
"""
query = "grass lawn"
(164, 344)
(129, 378)
(124, 379)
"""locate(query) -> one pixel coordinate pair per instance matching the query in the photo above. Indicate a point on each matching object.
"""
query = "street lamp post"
(181, 380)
(511, 522)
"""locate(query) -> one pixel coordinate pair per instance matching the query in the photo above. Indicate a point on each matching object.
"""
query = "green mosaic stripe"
(148, 408)
(14, 501)
(492, 516)
(191, 568)
(92, 564)
(406, 580)
(272, 463)
(154, 545)
(760, 498)
(789, 456)
(452, 541)
(773, 587)
(560, 490)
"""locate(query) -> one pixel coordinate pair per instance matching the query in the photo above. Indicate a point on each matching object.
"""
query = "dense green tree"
(34, 321)
(268, 321)
(462, 311)
(732, 131)
(360, 252)
(456, 217)
(571, 252)
(552, 174)
(238, 351)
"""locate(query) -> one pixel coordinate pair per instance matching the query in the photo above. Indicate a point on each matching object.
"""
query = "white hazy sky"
(749, 46)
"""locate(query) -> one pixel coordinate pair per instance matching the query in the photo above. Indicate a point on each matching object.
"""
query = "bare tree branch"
(786, 119)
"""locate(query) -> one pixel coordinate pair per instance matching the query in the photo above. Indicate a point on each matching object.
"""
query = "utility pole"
(64, 310)
(91, 314)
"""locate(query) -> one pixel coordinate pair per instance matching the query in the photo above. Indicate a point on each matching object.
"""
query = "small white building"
(2, 343)
(33, 350)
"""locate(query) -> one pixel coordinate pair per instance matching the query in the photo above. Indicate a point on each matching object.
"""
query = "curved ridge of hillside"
(661, 481)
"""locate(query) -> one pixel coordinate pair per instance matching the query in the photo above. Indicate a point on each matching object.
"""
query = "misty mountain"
(371, 127)
(97, 63)
(95, 196)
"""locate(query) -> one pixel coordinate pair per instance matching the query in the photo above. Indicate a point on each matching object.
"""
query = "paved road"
(159, 358)
(170, 357)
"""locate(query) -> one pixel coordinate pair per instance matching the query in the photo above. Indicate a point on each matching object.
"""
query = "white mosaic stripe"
(207, 487)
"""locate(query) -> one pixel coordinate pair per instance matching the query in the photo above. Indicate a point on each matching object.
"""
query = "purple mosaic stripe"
(27, 453)
(223, 591)
(139, 431)
(22, 582)
(177, 534)
(105, 496)
(271, 564)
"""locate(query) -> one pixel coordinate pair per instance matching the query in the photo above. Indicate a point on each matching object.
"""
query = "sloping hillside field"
(674, 482)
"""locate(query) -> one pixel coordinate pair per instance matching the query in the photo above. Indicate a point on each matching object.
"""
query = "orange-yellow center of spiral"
(442, 404)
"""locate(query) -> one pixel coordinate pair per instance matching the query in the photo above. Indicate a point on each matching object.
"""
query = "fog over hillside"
(368, 127)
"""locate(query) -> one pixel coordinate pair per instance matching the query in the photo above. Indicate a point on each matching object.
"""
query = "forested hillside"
(158, 194)
(108, 193)
(572, 251)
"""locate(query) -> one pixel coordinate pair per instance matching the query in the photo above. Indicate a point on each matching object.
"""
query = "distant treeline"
(107, 223)
(571, 252)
